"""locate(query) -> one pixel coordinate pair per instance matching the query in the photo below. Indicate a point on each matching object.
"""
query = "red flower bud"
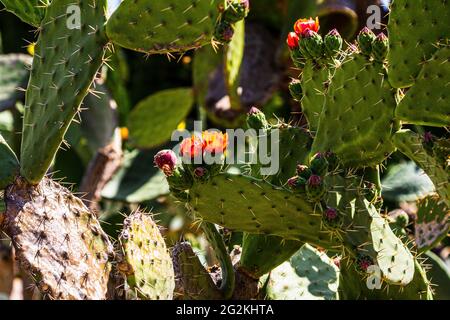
(292, 40)
(166, 160)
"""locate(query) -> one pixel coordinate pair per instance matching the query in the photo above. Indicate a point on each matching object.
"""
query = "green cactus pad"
(393, 257)
(411, 144)
(293, 148)
(154, 26)
(192, 280)
(145, 259)
(414, 30)
(14, 71)
(426, 103)
(432, 223)
(234, 55)
(151, 125)
(268, 209)
(64, 66)
(358, 119)
(439, 274)
(8, 163)
(260, 254)
(29, 11)
(309, 275)
(58, 241)
(313, 80)
(353, 286)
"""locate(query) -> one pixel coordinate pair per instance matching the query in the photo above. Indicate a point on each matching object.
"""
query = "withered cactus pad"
(58, 240)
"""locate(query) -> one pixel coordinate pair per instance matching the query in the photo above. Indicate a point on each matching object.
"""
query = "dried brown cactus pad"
(58, 240)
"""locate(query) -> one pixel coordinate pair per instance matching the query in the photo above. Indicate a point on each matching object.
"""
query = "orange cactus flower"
(302, 25)
(192, 147)
(212, 142)
(215, 142)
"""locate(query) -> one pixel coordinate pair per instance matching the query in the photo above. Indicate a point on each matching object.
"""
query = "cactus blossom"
(302, 25)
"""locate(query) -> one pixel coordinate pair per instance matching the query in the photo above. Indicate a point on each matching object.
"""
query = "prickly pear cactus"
(426, 102)
(152, 26)
(64, 66)
(431, 155)
(414, 32)
(308, 275)
(432, 223)
(192, 280)
(145, 260)
(58, 241)
(30, 11)
(357, 121)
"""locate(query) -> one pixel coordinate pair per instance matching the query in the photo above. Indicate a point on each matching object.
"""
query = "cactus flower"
(292, 40)
(166, 160)
(214, 142)
(302, 25)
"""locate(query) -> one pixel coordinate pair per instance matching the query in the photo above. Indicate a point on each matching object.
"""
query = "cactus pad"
(414, 31)
(261, 254)
(412, 145)
(58, 240)
(145, 260)
(268, 209)
(309, 275)
(432, 223)
(426, 103)
(313, 81)
(64, 66)
(358, 119)
(29, 11)
(192, 280)
(153, 26)
(393, 257)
